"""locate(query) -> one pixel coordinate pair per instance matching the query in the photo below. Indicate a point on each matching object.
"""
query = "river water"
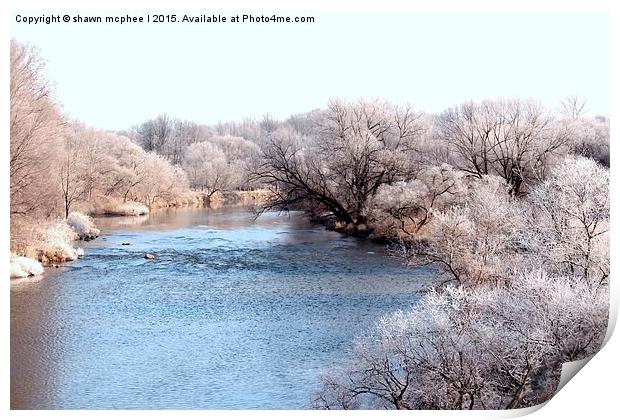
(233, 313)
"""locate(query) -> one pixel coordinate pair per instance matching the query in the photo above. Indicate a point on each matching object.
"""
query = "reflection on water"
(233, 313)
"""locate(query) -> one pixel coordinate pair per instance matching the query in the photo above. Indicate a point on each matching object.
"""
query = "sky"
(115, 76)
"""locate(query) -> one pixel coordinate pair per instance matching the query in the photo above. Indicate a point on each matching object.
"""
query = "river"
(233, 313)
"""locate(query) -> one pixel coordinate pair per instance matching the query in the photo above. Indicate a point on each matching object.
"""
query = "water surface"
(233, 313)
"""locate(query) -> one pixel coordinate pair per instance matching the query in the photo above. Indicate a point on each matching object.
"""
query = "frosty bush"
(473, 348)
(83, 225)
(55, 244)
(473, 242)
(24, 267)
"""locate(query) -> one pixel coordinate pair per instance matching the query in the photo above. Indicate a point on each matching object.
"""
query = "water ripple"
(230, 306)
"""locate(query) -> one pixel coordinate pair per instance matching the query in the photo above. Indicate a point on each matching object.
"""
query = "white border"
(592, 394)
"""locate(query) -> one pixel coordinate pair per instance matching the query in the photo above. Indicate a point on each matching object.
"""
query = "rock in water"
(149, 256)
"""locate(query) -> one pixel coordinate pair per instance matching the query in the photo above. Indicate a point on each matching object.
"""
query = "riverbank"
(360, 231)
(105, 206)
(52, 242)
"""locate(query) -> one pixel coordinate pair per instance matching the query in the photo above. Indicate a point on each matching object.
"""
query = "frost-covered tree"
(35, 128)
(568, 224)
(304, 123)
(168, 137)
(248, 129)
(482, 348)
(513, 139)
(401, 209)
(354, 149)
(574, 106)
(153, 135)
(236, 149)
(35, 131)
(72, 173)
(475, 241)
(95, 159)
(135, 175)
(162, 182)
(590, 138)
(208, 168)
(128, 167)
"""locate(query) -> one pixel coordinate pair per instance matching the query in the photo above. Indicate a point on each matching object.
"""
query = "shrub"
(83, 225)
(24, 267)
(474, 348)
(54, 244)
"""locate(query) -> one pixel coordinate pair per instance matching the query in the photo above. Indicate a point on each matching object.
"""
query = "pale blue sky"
(113, 76)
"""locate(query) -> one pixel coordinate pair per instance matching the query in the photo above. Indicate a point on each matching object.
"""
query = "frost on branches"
(472, 242)
(485, 348)
(403, 208)
(568, 225)
(526, 289)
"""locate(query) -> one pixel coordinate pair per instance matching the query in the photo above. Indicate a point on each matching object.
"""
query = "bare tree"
(510, 138)
(574, 106)
(209, 169)
(153, 135)
(402, 209)
(355, 149)
(35, 127)
(72, 179)
(269, 124)
(161, 182)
